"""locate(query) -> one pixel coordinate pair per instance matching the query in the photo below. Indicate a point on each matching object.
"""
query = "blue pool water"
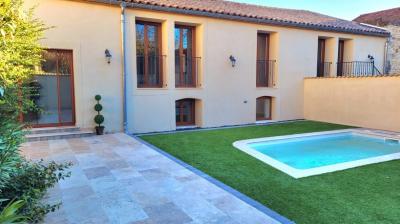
(316, 151)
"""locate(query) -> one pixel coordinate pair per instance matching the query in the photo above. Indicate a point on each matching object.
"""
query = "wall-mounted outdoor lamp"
(108, 56)
(371, 57)
(233, 60)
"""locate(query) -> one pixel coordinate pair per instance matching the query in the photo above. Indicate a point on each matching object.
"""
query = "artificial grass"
(369, 194)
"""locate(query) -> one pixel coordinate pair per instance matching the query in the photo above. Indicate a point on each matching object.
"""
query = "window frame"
(39, 70)
(193, 56)
(193, 112)
(145, 55)
(270, 109)
(266, 59)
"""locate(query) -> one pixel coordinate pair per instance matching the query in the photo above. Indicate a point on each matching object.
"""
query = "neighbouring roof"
(381, 18)
(253, 13)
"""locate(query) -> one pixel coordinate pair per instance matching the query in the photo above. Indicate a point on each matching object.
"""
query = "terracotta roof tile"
(274, 16)
(381, 18)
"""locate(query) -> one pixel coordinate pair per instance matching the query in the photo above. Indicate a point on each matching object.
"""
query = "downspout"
(123, 64)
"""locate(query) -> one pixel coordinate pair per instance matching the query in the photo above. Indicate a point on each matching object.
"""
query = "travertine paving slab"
(117, 179)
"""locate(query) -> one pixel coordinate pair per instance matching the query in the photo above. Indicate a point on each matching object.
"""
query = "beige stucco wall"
(370, 102)
(227, 95)
(87, 29)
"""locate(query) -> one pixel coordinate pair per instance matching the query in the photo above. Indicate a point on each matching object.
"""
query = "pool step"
(381, 134)
(392, 140)
(54, 133)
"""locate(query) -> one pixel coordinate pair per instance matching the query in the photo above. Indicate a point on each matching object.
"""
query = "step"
(58, 135)
(35, 131)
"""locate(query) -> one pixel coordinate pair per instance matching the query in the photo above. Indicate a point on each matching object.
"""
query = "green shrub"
(25, 180)
(98, 107)
(30, 184)
(98, 119)
(9, 215)
(97, 97)
(11, 136)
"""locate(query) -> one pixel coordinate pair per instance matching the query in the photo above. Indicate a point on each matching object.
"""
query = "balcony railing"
(357, 68)
(187, 71)
(150, 70)
(324, 69)
(266, 73)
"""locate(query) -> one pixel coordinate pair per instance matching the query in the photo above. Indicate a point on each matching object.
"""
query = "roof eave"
(242, 18)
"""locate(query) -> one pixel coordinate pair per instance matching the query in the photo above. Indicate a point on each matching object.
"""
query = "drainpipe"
(123, 64)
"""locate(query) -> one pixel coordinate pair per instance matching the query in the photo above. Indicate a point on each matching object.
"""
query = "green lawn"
(369, 194)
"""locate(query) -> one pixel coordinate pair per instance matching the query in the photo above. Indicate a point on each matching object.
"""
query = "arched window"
(264, 108)
(185, 112)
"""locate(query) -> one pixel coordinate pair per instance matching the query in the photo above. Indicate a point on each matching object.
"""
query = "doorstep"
(54, 133)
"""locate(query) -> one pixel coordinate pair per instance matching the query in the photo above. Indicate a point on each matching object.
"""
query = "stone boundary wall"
(394, 49)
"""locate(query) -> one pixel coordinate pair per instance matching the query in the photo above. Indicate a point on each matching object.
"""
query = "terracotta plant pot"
(99, 130)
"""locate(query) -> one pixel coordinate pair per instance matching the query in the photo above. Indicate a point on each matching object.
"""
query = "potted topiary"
(99, 119)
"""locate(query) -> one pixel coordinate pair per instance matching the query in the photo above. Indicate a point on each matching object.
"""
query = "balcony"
(357, 68)
(324, 69)
(266, 73)
(150, 71)
(187, 71)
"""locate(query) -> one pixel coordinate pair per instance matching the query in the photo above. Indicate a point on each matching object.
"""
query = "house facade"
(161, 66)
(389, 20)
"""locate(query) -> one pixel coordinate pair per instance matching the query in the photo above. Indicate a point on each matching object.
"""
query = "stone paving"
(117, 179)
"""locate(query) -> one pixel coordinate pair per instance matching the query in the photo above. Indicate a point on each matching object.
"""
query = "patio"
(117, 179)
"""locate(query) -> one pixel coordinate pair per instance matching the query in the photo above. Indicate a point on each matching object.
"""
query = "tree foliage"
(21, 180)
(20, 53)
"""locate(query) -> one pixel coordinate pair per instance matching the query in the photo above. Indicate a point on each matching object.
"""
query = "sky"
(344, 9)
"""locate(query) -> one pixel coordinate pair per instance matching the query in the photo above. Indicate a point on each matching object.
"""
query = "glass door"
(321, 58)
(262, 69)
(185, 60)
(52, 91)
(340, 58)
(148, 55)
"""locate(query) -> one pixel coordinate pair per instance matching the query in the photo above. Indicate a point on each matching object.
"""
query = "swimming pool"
(322, 152)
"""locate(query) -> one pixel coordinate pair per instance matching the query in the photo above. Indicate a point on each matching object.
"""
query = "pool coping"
(243, 145)
(257, 205)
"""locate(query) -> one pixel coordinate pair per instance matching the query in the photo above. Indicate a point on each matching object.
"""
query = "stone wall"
(393, 65)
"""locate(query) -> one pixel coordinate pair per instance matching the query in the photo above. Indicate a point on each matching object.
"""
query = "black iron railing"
(357, 68)
(150, 70)
(187, 71)
(324, 69)
(265, 73)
